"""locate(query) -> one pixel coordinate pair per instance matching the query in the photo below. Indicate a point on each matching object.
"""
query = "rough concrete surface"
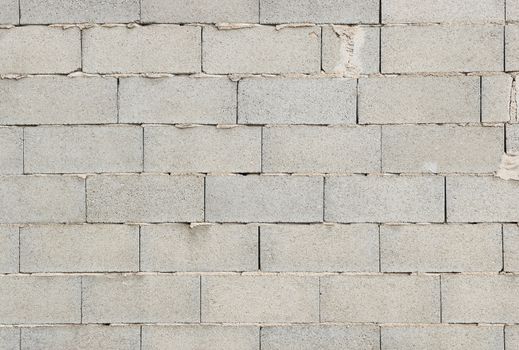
(259, 174)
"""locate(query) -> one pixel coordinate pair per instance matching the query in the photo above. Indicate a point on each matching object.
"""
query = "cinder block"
(88, 337)
(83, 149)
(380, 298)
(9, 248)
(511, 337)
(38, 299)
(512, 10)
(58, 100)
(200, 11)
(149, 49)
(310, 149)
(482, 199)
(177, 100)
(264, 198)
(42, 199)
(297, 101)
(441, 148)
(496, 91)
(323, 337)
(511, 247)
(409, 49)
(384, 199)
(73, 11)
(480, 298)
(512, 138)
(10, 338)
(200, 337)
(202, 149)
(319, 11)
(145, 198)
(512, 47)
(11, 154)
(262, 49)
(352, 50)
(435, 11)
(38, 49)
(9, 15)
(79, 248)
(319, 248)
(260, 299)
(179, 247)
(393, 100)
(440, 248)
(141, 299)
(452, 337)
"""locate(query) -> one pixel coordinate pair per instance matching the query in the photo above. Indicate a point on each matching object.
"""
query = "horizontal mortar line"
(265, 174)
(245, 25)
(267, 125)
(250, 324)
(257, 273)
(238, 76)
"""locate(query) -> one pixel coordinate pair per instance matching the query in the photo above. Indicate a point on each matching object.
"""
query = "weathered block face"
(259, 174)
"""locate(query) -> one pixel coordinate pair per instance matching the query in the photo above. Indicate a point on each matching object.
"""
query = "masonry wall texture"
(258, 175)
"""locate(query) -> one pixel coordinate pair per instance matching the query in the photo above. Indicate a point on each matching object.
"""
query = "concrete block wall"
(258, 175)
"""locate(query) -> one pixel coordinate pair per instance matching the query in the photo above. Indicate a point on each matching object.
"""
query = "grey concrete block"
(260, 299)
(297, 101)
(10, 338)
(319, 248)
(40, 299)
(38, 49)
(42, 199)
(314, 149)
(9, 248)
(480, 298)
(512, 138)
(9, 12)
(179, 247)
(79, 248)
(83, 149)
(496, 91)
(11, 155)
(384, 199)
(145, 198)
(511, 247)
(202, 149)
(409, 49)
(215, 337)
(262, 49)
(441, 148)
(89, 337)
(264, 198)
(177, 100)
(393, 100)
(324, 337)
(512, 47)
(74, 11)
(200, 11)
(435, 11)
(149, 49)
(441, 248)
(351, 50)
(58, 100)
(482, 199)
(380, 298)
(452, 337)
(511, 337)
(319, 11)
(512, 10)
(141, 299)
